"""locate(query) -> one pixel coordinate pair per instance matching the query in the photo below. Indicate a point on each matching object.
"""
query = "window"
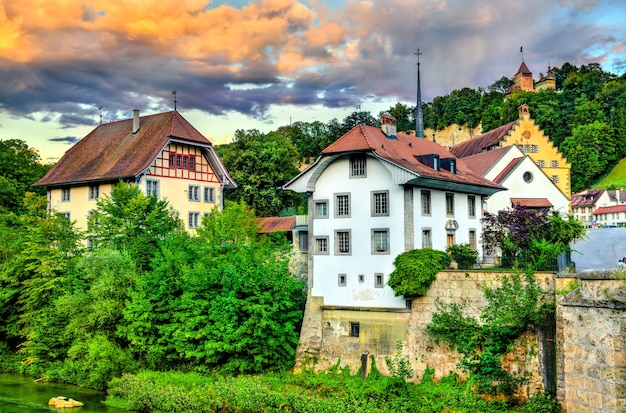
(380, 241)
(185, 162)
(179, 161)
(541, 163)
(194, 193)
(152, 187)
(380, 203)
(554, 164)
(172, 161)
(357, 166)
(66, 215)
(303, 240)
(449, 204)
(425, 202)
(321, 209)
(94, 191)
(524, 148)
(65, 195)
(321, 245)
(527, 177)
(471, 206)
(427, 241)
(379, 280)
(342, 242)
(472, 238)
(555, 178)
(342, 280)
(354, 329)
(361, 278)
(534, 148)
(209, 194)
(192, 163)
(342, 206)
(194, 219)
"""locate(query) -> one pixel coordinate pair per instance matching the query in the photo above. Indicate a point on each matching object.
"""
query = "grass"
(336, 391)
(615, 179)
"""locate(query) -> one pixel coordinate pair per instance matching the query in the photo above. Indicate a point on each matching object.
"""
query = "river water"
(20, 394)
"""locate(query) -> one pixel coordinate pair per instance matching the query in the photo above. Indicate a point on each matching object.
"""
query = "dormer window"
(357, 166)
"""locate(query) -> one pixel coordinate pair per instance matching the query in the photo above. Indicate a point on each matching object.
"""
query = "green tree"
(405, 117)
(224, 299)
(261, 164)
(129, 220)
(20, 167)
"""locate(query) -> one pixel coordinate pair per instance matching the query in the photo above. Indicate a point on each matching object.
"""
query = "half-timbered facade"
(163, 154)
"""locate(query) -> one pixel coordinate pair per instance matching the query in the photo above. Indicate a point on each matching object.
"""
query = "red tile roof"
(532, 202)
(524, 69)
(111, 151)
(402, 151)
(610, 209)
(507, 170)
(482, 162)
(482, 143)
(276, 224)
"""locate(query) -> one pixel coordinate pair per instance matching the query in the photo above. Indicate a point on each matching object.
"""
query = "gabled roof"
(482, 162)
(610, 209)
(404, 151)
(111, 151)
(276, 224)
(482, 143)
(507, 170)
(586, 198)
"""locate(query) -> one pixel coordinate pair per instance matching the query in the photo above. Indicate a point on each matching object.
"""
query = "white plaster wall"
(539, 187)
(326, 268)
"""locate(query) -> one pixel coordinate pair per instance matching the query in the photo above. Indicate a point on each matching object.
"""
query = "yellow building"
(163, 154)
(531, 140)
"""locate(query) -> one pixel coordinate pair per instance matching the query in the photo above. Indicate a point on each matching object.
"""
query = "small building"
(589, 207)
(531, 140)
(526, 183)
(163, 154)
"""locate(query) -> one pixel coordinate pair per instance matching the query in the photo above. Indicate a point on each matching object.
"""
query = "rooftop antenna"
(419, 115)
(100, 109)
(174, 93)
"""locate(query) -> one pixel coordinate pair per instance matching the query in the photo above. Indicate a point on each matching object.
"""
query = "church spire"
(419, 115)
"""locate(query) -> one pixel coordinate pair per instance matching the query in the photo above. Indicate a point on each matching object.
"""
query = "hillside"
(615, 179)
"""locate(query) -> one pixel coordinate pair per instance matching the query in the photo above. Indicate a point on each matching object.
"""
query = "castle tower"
(523, 79)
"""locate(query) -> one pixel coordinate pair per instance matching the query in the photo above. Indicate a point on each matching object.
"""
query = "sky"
(262, 64)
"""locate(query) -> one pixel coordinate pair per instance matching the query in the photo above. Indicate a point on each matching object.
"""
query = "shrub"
(542, 403)
(416, 270)
(464, 255)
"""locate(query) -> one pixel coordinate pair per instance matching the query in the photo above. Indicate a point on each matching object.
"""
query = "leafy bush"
(511, 309)
(542, 403)
(464, 255)
(415, 271)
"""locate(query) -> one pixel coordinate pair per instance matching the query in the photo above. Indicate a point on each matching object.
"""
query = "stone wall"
(591, 338)
(326, 334)
(590, 356)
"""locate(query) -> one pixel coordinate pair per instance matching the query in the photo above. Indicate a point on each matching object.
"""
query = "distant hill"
(615, 179)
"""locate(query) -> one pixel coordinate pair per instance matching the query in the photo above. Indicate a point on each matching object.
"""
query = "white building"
(374, 194)
(526, 182)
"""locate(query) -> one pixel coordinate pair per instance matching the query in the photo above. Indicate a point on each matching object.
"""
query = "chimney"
(388, 125)
(135, 121)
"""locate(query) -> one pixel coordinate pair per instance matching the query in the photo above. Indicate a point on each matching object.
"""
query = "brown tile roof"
(507, 170)
(586, 198)
(483, 161)
(112, 152)
(524, 69)
(482, 143)
(276, 224)
(402, 151)
(610, 209)
(532, 202)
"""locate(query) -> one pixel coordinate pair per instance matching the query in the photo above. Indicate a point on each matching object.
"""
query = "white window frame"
(471, 206)
(427, 231)
(209, 194)
(194, 193)
(193, 220)
(317, 250)
(337, 206)
(426, 201)
(380, 209)
(153, 187)
(358, 166)
(375, 249)
(315, 210)
(338, 244)
(65, 195)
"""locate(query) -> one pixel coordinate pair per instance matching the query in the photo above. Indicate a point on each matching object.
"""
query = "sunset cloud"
(66, 58)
